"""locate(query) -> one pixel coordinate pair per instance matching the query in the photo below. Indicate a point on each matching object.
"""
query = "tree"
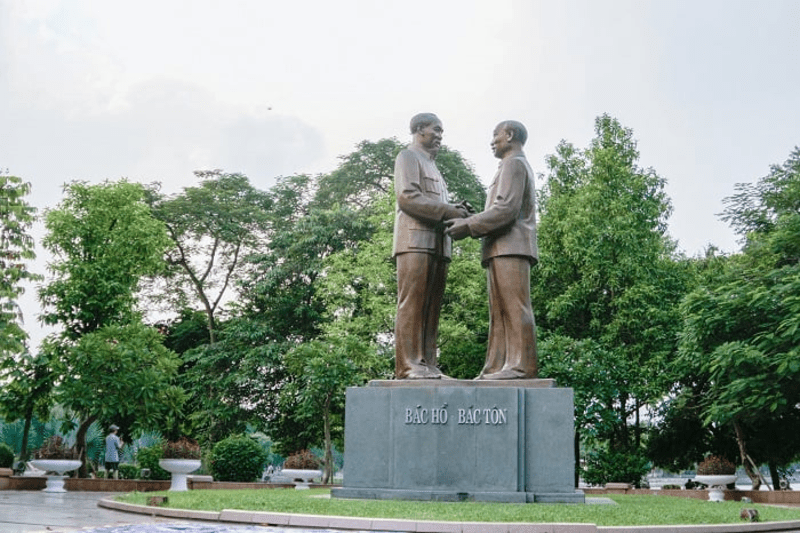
(213, 227)
(741, 327)
(26, 382)
(26, 392)
(16, 247)
(608, 280)
(104, 240)
(322, 371)
(118, 373)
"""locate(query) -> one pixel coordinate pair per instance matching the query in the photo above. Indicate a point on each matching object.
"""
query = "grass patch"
(629, 511)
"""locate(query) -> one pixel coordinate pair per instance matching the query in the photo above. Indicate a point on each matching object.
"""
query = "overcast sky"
(152, 90)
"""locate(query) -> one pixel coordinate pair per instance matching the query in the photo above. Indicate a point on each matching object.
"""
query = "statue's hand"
(456, 211)
(457, 228)
(468, 206)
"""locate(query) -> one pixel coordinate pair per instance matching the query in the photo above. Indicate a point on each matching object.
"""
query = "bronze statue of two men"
(426, 223)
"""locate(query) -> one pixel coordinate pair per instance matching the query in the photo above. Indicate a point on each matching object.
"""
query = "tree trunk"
(26, 429)
(776, 477)
(80, 443)
(755, 478)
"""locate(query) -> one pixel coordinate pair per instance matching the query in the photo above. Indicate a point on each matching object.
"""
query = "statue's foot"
(503, 374)
(420, 371)
(437, 373)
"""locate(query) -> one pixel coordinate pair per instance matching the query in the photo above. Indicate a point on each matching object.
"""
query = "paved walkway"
(37, 511)
(40, 512)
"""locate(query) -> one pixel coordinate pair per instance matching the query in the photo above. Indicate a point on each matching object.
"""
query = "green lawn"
(629, 511)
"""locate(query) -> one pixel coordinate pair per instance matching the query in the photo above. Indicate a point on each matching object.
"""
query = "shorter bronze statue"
(421, 249)
(508, 229)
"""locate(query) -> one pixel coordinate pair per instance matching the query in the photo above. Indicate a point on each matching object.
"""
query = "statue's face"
(430, 137)
(501, 141)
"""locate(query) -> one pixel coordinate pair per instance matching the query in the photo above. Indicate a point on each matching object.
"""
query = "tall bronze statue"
(508, 229)
(421, 249)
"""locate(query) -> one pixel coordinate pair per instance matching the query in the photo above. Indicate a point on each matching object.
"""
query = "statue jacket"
(421, 204)
(508, 223)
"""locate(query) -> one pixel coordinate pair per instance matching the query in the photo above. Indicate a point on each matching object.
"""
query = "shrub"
(237, 458)
(148, 458)
(128, 471)
(607, 467)
(55, 448)
(714, 465)
(302, 460)
(671, 487)
(183, 448)
(6, 456)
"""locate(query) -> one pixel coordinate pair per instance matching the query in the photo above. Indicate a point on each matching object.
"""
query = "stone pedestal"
(451, 440)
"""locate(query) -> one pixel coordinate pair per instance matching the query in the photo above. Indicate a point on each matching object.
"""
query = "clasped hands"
(457, 227)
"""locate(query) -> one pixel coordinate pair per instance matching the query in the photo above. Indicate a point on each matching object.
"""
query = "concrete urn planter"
(305, 476)
(58, 467)
(179, 468)
(716, 485)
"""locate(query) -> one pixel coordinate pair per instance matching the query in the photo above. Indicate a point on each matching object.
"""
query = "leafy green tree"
(741, 329)
(322, 370)
(16, 248)
(26, 393)
(608, 276)
(26, 382)
(103, 240)
(118, 373)
(213, 227)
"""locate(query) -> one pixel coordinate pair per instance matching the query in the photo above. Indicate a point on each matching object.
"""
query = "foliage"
(739, 342)
(302, 460)
(129, 471)
(56, 447)
(183, 448)
(148, 458)
(321, 371)
(16, 248)
(126, 362)
(628, 510)
(237, 458)
(189, 330)
(233, 382)
(607, 286)
(213, 226)
(607, 466)
(103, 240)
(26, 394)
(6, 456)
(714, 465)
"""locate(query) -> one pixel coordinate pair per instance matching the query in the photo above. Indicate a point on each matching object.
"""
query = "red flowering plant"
(183, 448)
(714, 465)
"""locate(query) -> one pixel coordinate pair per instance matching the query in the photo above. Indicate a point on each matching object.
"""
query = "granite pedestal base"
(457, 440)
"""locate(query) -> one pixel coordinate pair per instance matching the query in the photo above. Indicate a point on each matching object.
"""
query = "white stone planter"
(716, 485)
(305, 476)
(55, 482)
(179, 468)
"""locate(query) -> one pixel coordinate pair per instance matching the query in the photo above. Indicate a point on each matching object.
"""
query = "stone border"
(413, 526)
